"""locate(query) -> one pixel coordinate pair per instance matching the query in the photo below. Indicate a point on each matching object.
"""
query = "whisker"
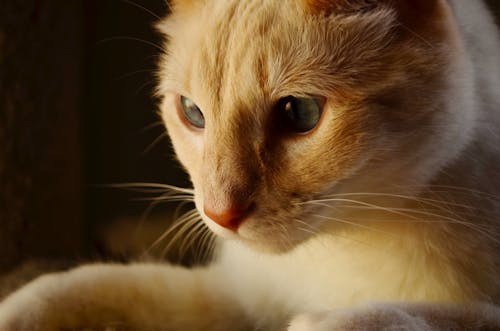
(143, 8)
(143, 85)
(305, 224)
(106, 40)
(340, 220)
(186, 218)
(452, 188)
(313, 231)
(406, 213)
(194, 219)
(152, 126)
(416, 35)
(285, 232)
(194, 243)
(155, 142)
(212, 245)
(130, 74)
(432, 202)
(362, 203)
(167, 199)
(201, 254)
(438, 204)
(201, 248)
(179, 208)
(307, 230)
(141, 185)
(190, 238)
(440, 218)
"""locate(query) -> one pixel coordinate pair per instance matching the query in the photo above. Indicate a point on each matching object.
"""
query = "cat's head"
(273, 106)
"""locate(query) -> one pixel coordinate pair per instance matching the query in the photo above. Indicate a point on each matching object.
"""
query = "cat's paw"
(30, 315)
(23, 310)
(376, 317)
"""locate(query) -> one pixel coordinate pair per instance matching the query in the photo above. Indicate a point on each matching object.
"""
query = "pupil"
(302, 114)
(192, 113)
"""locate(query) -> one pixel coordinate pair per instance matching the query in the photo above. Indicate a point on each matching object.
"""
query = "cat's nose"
(230, 217)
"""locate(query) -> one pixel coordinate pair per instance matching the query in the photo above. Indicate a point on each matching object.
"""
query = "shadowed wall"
(40, 147)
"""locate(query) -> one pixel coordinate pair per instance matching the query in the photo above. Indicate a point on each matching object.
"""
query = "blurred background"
(77, 113)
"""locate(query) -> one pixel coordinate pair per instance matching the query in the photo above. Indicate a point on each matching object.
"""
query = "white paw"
(31, 308)
(376, 317)
(21, 311)
(13, 319)
(307, 322)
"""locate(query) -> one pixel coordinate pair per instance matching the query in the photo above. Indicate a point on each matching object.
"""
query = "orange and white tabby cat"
(349, 154)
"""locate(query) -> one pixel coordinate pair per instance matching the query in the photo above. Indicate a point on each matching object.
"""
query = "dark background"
(77, 112)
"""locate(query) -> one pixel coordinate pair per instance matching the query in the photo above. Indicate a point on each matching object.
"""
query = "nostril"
(230, 217)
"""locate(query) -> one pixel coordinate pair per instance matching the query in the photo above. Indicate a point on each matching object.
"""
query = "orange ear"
(182, 5)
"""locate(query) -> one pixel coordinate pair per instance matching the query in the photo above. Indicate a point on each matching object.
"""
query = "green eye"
(192, 113)
(300, 114)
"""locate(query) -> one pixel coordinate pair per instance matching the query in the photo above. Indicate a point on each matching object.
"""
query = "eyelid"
(321, 101)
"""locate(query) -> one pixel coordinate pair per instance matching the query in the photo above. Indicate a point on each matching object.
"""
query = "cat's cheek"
(188, 145)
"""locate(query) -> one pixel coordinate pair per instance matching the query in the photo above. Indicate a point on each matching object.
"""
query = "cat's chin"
(258, 240)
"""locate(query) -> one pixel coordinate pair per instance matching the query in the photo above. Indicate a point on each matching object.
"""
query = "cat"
(346, 152)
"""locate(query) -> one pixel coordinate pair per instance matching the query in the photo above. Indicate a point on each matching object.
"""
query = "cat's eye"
(192, 112)
(300, 114)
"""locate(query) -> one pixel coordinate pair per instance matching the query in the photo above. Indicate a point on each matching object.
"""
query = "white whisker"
(409, 215)
(139, 185)
(188, 217)
(344, 221)
(155, 142)
(132, 3)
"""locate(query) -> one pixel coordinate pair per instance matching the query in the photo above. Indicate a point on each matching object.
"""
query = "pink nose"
(229, 218)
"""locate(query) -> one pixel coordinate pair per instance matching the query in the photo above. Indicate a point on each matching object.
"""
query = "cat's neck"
(342, 271)
(373, 261)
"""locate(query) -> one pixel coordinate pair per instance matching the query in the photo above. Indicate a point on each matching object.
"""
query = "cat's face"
(271, 104)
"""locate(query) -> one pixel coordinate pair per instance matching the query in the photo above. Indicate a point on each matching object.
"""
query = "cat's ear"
(183, 5)
(177, 7)
(412, 14)
(405, 8)
(338, 6)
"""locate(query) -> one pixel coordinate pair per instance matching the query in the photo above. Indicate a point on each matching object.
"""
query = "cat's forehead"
(224, 52)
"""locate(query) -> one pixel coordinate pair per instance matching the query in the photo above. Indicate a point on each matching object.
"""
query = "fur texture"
(391, 199)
